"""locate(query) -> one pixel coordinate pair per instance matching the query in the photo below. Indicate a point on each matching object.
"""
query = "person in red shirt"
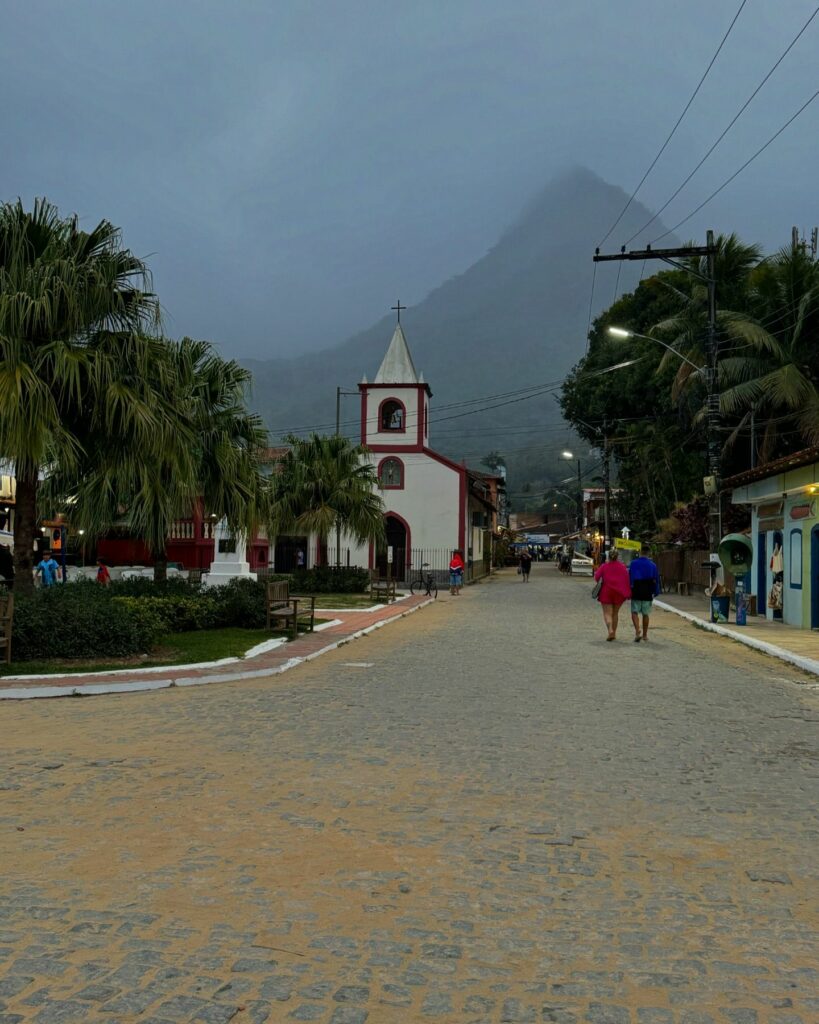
(456, 573)
(615, 589)
(103, 576)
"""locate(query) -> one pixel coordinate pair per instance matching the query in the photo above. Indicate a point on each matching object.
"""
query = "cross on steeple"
(398, 307)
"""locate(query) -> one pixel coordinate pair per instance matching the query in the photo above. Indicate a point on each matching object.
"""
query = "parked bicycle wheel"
(433, 589)
(418, 587)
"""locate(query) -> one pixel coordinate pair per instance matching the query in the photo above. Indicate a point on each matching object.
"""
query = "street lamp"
(710, 484)
(621, 332)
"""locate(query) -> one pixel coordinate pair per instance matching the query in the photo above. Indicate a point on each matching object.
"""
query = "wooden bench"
(6, 620)
(289, 610)
(381, 588)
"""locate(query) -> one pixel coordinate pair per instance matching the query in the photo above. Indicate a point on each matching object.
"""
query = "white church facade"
(433, 505)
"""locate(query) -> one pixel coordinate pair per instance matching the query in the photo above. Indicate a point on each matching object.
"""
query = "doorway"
(290, 554)
(392, 562)
(762, 573)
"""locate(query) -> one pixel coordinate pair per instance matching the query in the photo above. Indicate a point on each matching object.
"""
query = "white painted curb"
(139, 685)
(806, 664)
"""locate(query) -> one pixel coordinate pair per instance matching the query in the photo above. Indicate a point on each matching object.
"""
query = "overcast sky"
(290, 167)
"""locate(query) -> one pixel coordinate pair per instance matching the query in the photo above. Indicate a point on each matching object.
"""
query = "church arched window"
(391, 474)
(392, 415)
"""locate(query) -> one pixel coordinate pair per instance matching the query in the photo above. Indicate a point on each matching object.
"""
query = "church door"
(397, 544)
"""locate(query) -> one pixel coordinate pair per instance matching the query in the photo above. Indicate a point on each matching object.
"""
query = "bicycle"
(425, 584)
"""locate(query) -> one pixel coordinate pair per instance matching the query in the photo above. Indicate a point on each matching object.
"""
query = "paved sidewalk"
(347, 625)
(485, 814)
(799, 647)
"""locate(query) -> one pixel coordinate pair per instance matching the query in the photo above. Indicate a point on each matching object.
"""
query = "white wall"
(409, 396)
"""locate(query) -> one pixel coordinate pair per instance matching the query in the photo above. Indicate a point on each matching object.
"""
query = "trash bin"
(720, 606)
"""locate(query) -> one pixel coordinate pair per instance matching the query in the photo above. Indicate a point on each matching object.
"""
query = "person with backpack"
(644, 577)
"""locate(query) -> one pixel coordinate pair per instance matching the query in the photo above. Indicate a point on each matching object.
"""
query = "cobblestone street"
(482, 813)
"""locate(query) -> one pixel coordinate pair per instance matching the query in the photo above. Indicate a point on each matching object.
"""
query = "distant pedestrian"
(103, 575)
(48, 570)
(300, 559)
(456, 573)
(525, 565)
(614, 591)
(644, 577)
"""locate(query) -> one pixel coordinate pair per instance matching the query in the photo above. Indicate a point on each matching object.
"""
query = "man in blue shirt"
(645, 586)
(48, 569)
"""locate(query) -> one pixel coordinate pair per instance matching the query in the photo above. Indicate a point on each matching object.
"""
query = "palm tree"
(774, 375)
(203, 444)
(325, 481)
(687, 330)
(60, 287)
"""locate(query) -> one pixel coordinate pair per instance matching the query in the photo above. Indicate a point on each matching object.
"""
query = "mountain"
(516, 318)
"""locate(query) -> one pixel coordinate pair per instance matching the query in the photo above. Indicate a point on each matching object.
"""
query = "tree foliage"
(654, 411)
(61, 289)
(325, 481)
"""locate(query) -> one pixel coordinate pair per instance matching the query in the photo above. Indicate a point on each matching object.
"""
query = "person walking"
(615, 589)
(103, 575)
(644, 577)
(456, 573)
(525, 564)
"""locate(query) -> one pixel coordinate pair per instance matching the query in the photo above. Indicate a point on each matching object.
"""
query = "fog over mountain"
(516, 318)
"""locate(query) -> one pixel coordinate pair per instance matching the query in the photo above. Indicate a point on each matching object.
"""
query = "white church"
(433, 505)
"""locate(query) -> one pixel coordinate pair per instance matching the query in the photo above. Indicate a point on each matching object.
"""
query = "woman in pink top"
(615, 590)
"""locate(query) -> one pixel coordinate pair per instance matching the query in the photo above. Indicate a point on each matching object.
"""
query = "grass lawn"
(174, 649)
(345, 600)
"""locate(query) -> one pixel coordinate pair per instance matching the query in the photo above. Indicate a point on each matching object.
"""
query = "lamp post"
(709, 373)
(569, 456)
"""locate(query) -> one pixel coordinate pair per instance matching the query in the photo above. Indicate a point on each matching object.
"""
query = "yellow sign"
(627, 545)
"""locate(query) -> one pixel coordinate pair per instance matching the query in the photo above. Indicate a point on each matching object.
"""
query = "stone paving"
(346, 625)
(482, 813)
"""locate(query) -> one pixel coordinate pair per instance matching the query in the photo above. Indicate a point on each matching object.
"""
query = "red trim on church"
(392, 430)
(391, 487)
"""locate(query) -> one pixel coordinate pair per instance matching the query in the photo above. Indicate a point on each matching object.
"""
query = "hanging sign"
(802, 511)
(624, 544)
(389, 555)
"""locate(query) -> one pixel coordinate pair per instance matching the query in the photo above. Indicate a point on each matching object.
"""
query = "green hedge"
(80, 620)
(327, 580)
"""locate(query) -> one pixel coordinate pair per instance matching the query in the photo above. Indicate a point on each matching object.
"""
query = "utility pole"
(606, 488)
(711, 483)
(714, 443)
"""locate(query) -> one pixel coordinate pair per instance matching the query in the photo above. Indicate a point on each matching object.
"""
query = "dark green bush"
(325, 579)
(80, 620)
(240, 603)
(180, 613)
(142, 586)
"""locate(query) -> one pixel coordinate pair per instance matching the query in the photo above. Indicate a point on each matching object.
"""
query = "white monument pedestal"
(229, 561)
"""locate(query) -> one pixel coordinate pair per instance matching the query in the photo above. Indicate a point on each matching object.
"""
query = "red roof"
(794, 461)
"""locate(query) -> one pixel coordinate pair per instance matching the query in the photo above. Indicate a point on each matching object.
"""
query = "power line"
(736, 173)
(725, 131)
(662, 148)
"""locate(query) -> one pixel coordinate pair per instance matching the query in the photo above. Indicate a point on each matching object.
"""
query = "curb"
(799, 661)
(140, 685)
